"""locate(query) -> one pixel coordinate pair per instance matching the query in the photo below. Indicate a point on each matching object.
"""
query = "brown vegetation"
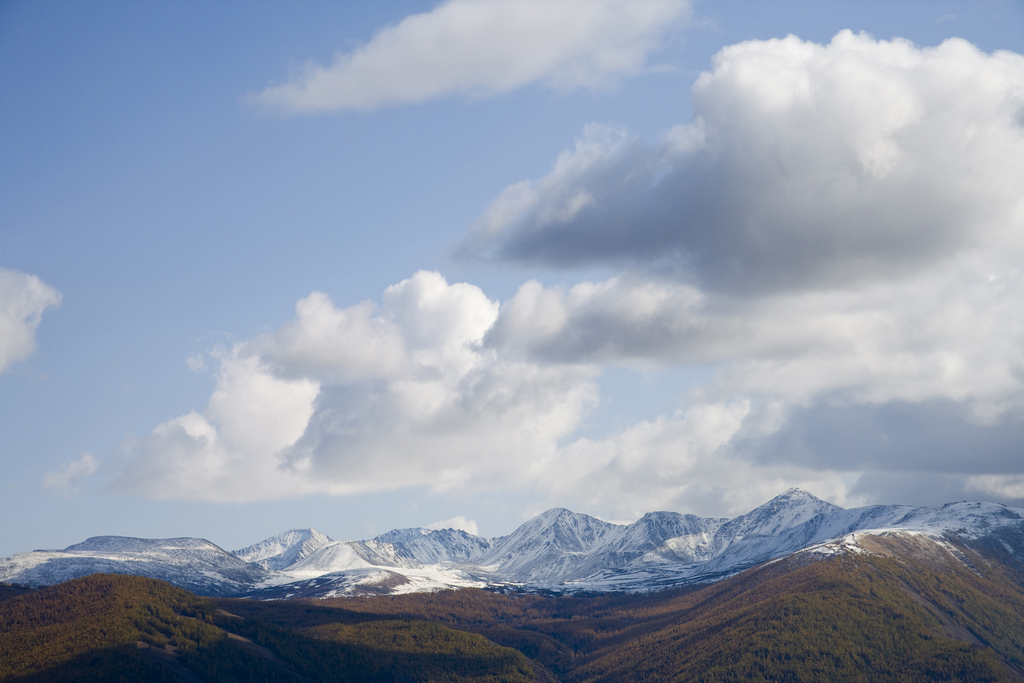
(115, 627)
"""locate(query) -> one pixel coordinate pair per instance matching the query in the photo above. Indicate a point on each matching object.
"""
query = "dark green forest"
(899, 615)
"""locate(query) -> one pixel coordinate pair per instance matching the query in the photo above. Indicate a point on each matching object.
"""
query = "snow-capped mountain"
(284, 549)
(549, 547)
(192, 563)
(761, 534)
(563, 550)
(797, 521)
(560, 545)
(557, 550)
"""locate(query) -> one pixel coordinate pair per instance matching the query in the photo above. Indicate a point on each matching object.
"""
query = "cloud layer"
(23, 298)
(482, 47)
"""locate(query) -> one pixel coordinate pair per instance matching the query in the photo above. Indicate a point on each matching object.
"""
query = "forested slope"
(114, 627)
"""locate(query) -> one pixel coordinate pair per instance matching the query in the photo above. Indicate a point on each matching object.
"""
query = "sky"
(363, 266)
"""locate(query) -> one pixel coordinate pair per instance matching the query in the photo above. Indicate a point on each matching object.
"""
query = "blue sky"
(538, 259)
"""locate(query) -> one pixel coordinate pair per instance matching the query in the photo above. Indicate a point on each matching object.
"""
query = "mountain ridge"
(557, 550)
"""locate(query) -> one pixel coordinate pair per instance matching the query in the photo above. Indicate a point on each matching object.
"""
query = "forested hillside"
(112, 627)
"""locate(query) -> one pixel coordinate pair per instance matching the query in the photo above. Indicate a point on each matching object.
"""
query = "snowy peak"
(284, 549)
(670, 536)
(784, 524)
(563, 529)
(557, 543)
(798, 499)
(561, 545)
(785, 511)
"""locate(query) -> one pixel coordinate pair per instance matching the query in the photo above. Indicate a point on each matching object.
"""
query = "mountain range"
(558, 550)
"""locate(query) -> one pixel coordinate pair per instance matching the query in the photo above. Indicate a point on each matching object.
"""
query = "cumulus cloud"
(483, 47)
(67, 481)
(812, 388)
(949, 334)
(23, 298)
(366, 399)
(805, 166)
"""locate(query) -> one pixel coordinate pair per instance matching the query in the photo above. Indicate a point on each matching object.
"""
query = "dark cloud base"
(920, 453)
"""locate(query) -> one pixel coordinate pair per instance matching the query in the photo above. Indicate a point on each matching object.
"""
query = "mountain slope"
(100, 629)
(109, 628)
(920, 616)
(284, 549)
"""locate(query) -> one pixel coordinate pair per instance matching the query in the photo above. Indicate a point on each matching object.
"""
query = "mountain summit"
(785, 511)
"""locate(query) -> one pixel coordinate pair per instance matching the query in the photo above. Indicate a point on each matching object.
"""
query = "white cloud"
(23, 298)
(683, 462)
(196, 362)
(459, 522)
(950, 333)
(806, 166)
(232, 451)
(67, 480)
(484, 47)
(349, 400)
(812, 387)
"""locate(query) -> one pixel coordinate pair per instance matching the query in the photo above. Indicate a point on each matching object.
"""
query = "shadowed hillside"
(112, 627)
